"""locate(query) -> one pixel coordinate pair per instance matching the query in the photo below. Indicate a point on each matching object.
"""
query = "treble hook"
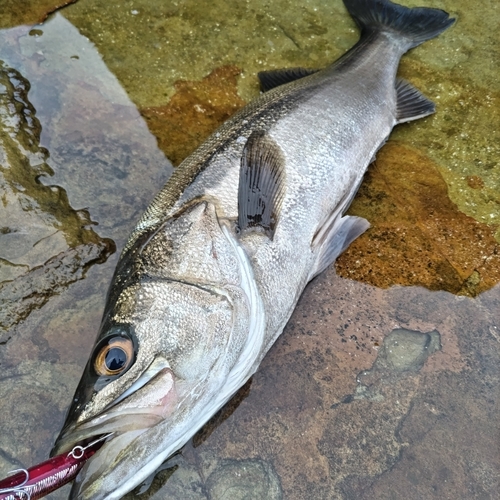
(18, 490)
(38, 481)
(78, 451)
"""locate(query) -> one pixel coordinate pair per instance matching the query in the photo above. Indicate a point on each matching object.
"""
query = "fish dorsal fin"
(262, 184)
(276, 77)
(411, 103)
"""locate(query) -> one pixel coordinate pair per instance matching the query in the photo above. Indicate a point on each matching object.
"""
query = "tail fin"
(414, 25)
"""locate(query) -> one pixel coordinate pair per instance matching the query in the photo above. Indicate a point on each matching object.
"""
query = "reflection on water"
(370, 392)
(46, 245)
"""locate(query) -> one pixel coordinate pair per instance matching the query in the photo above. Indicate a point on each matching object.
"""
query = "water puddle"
(46, 244)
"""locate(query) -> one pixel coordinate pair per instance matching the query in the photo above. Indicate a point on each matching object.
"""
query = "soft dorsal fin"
(262, 184)
(411, 103)
(276, 77)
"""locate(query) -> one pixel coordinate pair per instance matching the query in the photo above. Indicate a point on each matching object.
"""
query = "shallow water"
(385, 382)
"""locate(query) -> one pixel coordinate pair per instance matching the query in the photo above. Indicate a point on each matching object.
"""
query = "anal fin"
(261, 184)
(336, 239)
(411, 103)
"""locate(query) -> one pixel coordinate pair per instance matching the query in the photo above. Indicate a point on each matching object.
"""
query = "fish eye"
(114, 357)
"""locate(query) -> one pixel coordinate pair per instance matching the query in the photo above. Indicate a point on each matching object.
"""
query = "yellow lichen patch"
(15, 13)
(418, 236)
(194, 112)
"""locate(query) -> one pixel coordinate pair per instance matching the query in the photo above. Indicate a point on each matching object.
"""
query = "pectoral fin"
(261, 185)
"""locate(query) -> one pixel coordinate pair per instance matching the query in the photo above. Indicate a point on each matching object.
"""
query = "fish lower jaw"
(205, 409)
(141, 410)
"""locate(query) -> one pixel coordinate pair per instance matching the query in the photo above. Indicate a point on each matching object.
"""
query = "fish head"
(175, 326)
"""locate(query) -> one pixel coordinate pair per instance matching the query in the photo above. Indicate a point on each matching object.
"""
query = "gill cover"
(175, 308)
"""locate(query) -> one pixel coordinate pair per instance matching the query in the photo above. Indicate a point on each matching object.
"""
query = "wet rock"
(244, 480)
(28, 390)
(170, 41)
(382, 400)
(29, 12)
(33, 289)
(333, 432)
(101, 151)
(423, 434)
(194, 112)
(45, 243)
(361, 440)
(449, 433)
(402, 351)
(251, 479)
(415, 225)
(225, 412)
(184, 482)
(176, 478)
(102, 158)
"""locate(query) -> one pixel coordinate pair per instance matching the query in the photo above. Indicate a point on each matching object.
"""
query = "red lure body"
(40, 480)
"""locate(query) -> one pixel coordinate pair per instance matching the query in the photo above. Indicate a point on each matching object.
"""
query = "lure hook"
(18, 490)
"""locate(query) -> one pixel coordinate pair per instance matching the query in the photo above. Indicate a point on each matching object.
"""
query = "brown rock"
(194, 112)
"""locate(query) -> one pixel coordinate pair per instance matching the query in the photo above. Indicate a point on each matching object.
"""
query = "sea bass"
(214, 269)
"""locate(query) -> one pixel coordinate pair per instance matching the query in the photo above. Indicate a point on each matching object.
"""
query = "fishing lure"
(42, 479)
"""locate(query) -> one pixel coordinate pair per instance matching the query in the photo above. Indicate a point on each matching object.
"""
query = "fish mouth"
(148, 401)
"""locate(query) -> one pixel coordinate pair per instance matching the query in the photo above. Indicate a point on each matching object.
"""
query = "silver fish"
(215, 267)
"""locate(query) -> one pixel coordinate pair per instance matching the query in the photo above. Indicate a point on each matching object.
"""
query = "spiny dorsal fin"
(411, 103)
(276, 77)
(262, 183)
